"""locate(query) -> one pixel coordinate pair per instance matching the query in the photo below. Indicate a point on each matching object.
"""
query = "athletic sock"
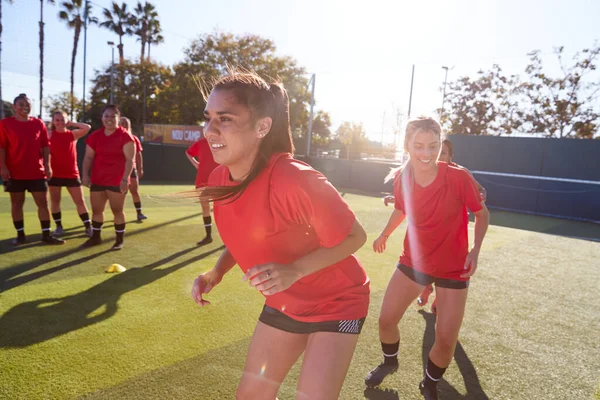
(120, 231)
(57, 217)
(45, 228)
(20, 227)
(85, 217)
(208, 226)
(433, 374)
(390, 353)
(96, 229)
(138, 207)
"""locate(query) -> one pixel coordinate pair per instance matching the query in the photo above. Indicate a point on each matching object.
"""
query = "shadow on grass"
(553, 226)
(7, 280)
(40, 320)
(465, 366)
(381, 394)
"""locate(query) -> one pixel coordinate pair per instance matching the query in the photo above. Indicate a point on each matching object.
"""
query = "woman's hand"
(379, 243)
(85, 181)
(204, 284)
(272, 278)
(124, 186)
(471, 263)
(388, 200)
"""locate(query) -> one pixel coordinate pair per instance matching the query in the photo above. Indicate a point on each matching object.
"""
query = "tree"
(210, 56)
(562, 106)
(2, 109)
(118, 21)
(73, 14)
(128, 93)
(154, 34)
(486, 105)
(353, 137)
(141, 20)
(63, 102)
(321, 131)
(42, 51)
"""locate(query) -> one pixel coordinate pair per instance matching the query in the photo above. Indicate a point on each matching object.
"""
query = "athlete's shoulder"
(285, 167)
(218, 176)
(457, 173)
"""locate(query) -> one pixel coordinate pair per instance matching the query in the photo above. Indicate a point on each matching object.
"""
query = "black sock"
(20, 227)
(120, 231)
(85, 217)
(390, 353)
(208, 226)
(433, 374)
(57, 217)
(96, 229)
(138, 207)
(45, 228)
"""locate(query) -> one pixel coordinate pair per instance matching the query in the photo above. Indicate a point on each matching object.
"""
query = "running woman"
(201, 158)
(138, 170)
(25, 166)
(109, 152)
(293, 236)
(433, 195)
(63, 160)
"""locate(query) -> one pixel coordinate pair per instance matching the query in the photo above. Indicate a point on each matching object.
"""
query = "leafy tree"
(141, 21)
(118, 21)
(41, 44)
(154, 33)
(63, 101)
(353, 137)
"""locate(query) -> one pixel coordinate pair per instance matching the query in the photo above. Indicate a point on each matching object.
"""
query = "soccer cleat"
(141, 217)
(376, 376)
(429, 393)
(117, 246)
(52, 240)
(93, 241)
(88, 232)
(58, 231)
(205, 241)
(19, 240)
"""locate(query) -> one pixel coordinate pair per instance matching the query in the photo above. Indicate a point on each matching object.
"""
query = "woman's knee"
(253, 388)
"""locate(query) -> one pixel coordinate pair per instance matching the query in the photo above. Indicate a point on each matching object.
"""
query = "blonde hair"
(128, 123)
(56, 112)
(413, 127)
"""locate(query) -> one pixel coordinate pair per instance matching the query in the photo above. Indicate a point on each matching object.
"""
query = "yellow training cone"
(116, 268)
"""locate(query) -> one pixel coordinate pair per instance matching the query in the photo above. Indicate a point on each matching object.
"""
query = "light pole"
(310, 118)
(412, 80)
(444, 92)
(85, 24)
(112, 73)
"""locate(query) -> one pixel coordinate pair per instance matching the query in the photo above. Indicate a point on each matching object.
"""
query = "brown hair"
(415, 125)
(111, 107)
(264, 100)
(448, 143)
(19, 97)
(56, 112)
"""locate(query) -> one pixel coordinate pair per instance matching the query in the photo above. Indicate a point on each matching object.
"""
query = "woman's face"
(445, 154)
(59, 120)
(22, 107)
(424, 150)
(124, 122)
(232, 133)
(110, 119)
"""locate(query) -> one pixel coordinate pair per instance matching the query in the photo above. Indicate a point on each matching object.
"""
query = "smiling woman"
(293, 236)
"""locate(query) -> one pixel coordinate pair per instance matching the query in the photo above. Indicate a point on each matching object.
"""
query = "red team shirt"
(206, 163)
(23, 142)
(63, 155)
(109, 162)
(138, 148)
(436, 241)
(288, 211)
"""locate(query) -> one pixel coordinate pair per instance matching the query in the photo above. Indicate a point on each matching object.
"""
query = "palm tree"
(154, 34)
(118, 21)
(141, 20)
(73, 14)
(1, 101)
(42, 53)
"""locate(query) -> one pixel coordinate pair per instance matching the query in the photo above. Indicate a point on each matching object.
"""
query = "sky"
(362, 53)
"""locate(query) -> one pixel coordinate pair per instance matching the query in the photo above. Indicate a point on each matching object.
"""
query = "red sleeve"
(306, 196)
(468, 191)
(138, 144)
(192, 151)
(3, 141)
(126, 138)
(44, 138)
(92, 140)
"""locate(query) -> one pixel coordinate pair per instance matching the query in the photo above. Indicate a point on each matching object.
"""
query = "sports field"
(70, 330)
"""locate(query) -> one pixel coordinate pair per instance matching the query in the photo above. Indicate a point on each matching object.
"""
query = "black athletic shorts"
(279, 320)
(426, 280)
(98, 188)
(134, 173)
(22, 185)
(66, 182)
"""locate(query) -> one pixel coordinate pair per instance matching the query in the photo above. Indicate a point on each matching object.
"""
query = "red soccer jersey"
(109, 163)
(206, 163)
(23, 142)
(138, 148)
(63, 155)
(436, 241)
(288, 211)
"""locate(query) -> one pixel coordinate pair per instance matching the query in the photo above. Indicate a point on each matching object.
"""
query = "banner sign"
(181, 135)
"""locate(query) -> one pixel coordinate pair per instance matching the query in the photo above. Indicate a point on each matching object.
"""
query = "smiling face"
(125, 124)
(110, 119)
(424, 150)
(59, 121)
(22, 108)
(233, 134)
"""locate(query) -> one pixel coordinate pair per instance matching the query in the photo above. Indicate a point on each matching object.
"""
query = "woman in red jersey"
(109, 152)
(433, 195)
(24, 165)
(201, 158)
(138, 170)
(63, 159)
(292, 235)
(446, 155)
